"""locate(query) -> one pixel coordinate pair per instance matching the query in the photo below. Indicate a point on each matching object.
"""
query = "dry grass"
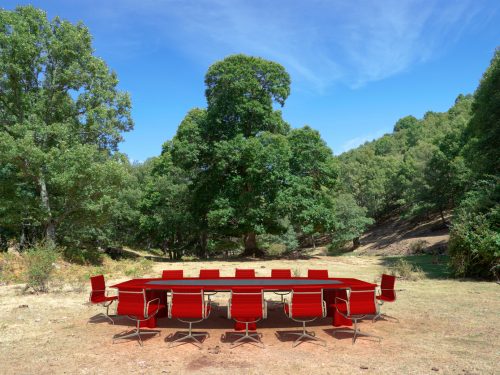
(448, 325)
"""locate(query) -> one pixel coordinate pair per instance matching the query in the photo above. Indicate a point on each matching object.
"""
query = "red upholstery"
(188, 304)
(361, 302)
(98, 294)
(281, 274)
(246, 305)
(134, 304)
(172, 274)
(387, 292)
(244, 273)
(317, 274)
(305, 303)
(209, 274)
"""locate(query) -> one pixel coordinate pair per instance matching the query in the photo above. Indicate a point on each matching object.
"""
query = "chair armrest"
(285, 303)
(347, 306)
(146, 315)
(169, 309)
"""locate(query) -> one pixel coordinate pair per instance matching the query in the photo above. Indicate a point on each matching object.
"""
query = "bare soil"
(446, 327)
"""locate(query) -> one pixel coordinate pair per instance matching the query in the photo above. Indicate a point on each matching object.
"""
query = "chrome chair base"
(385, 317)
(136, 333)
(186, 336)
(255, 338)
(356, 333)
(305, 335)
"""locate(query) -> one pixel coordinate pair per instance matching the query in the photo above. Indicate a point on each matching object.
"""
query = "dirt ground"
(446, 327)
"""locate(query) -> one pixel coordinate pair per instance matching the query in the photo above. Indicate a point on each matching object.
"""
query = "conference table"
(332, 287)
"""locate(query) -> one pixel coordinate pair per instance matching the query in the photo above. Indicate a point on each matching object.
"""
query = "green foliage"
(40, 262)
(61, 118)
(350, 220)
(82, 255)
(276, 245)
(483, 131)
(475, 236)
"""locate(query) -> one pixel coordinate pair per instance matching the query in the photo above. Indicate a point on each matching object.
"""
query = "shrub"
(86, 256)
(474, 246)
(418, 247)
(405, 270)
(39, 266)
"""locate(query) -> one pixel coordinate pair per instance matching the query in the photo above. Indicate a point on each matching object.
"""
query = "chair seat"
(181, 311)
(137, 310)
(303, 312)
(385, 298)
(102, 299)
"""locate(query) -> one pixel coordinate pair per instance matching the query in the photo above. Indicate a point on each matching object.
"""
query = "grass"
(431, 266)
(446, 324)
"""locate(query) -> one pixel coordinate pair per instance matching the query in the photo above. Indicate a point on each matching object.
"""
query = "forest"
(236, 177)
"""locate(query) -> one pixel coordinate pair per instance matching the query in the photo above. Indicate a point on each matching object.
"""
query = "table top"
(244, 282)
(229, 283)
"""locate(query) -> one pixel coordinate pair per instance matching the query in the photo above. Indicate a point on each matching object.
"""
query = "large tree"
(61, 118)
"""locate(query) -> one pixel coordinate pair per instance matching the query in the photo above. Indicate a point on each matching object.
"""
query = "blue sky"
(356, 66)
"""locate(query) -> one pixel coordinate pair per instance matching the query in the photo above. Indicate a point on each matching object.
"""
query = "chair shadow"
(346, 335)
(98, 319)
(121, 336)
(284, 336)
(180, 334)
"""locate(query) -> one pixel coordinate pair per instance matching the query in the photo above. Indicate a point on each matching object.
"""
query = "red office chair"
(244, 273)
(306, 305)
(189, 307)
(317, 274)
(209, 274)
(246, 307)
(172, 274)
(359, 304)
(386, 293)
(281, 274)
(98, 296)
(136, 306)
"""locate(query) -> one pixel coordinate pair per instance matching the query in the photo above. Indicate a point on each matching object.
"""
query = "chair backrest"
(209, 274)
(172, 274)
(387, 287)
(307, 303)
(131, 303)
(317, 274)
(247, 304)
(188, 304)
(362, 302)
(98, 288)
(244, 273)
(281, 274)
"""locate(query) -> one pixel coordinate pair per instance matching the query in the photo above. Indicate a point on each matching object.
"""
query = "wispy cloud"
(320, 42)
(358, 141)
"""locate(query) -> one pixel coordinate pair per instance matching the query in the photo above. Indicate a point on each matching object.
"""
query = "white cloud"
(358, 141)
(319, 42)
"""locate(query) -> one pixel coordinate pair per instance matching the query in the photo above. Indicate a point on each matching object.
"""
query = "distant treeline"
(235, 175)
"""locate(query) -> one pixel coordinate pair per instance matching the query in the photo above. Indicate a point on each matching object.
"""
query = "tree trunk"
(355, 242)
(203, 245)
(251, 249)
(50, 230)
(312, 241)
(441, 213)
